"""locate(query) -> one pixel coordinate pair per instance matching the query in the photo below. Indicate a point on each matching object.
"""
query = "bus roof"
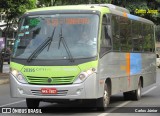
(69, 7)
(106, 8)
(130, 16)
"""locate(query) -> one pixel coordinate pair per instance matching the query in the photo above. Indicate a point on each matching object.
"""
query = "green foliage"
(69, 2)
(147, 5)
(132, 5)
(157, 33)
(15, 8)
(101, 1)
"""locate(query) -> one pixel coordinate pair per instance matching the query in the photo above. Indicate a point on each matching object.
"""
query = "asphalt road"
(118, 106)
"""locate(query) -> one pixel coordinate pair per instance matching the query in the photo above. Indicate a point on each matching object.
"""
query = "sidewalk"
(4, 78)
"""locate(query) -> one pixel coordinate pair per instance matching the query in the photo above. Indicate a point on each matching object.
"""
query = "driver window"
(105, 45)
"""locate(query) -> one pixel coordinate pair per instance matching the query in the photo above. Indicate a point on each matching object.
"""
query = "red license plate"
(49, 91)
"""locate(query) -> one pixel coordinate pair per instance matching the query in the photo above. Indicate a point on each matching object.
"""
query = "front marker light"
(89, 72)
(18, 76)
(14, 72)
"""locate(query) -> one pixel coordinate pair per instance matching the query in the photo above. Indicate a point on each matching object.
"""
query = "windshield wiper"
(61, 38)
(51, 37)
(40, 48)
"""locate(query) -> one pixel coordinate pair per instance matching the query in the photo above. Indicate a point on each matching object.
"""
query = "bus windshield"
(77, 32)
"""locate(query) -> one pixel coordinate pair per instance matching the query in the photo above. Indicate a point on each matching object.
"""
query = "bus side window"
(116, 33)
(152, 38)
(137, 37)
(148, 38)
(125, 34)
(105, 45)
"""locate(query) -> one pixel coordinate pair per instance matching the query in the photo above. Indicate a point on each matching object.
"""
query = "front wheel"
(32, 103)
(103, 102)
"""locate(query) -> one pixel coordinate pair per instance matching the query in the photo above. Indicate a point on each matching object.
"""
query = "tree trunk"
(54, 3)
(1, 63)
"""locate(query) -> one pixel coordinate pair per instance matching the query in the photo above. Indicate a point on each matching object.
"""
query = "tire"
(32, 103)
(138, 92)
(88, 103)
(133, 95)
(127, 95)
(103, 102)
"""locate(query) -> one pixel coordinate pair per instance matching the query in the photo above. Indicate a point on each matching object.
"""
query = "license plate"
(49, 91)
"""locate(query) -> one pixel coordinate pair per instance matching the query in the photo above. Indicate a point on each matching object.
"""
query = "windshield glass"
(80, 32)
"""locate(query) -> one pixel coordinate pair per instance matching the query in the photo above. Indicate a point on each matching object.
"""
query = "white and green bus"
(53, 61)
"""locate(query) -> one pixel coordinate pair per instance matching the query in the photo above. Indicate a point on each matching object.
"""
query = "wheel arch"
(141, 79)
(109, 83)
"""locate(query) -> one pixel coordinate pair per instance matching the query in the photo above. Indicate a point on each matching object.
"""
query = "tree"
(13, 9)
(157, 33)
(132, 5)
(147, 5)
(42, 3)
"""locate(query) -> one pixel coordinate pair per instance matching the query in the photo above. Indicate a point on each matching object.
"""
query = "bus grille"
(50, 80)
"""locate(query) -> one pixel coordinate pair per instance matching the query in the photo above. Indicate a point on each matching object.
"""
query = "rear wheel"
(32, 103)
(103, 102)
(135, 94)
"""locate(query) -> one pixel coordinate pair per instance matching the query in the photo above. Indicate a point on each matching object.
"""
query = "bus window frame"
(142, 33)
(108, 22)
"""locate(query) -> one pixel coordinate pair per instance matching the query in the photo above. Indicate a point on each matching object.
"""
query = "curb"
(4, 78)
(4, 81)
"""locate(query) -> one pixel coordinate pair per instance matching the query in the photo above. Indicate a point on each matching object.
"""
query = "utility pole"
(1, 63)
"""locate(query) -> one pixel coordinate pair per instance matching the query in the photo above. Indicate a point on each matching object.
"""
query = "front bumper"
(86, 90)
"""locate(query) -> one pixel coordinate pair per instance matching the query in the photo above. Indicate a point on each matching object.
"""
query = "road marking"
(125, 103)
(121, 105)
(149, 90)
(12, 103)
(102, 114)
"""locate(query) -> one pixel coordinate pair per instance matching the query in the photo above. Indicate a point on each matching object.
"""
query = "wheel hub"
(105, 98)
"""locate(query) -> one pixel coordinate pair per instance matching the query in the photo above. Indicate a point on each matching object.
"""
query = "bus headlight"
(83, 75)
(18, 76)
